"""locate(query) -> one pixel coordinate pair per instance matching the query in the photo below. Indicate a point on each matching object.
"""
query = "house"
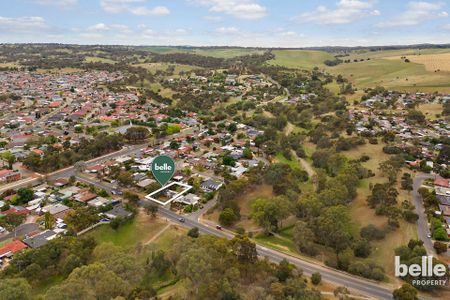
(68, 192)
(7, 176)
(442, 182)
(189, 199)
(61, 182)
(118, 212)
(445, 210)
(95, 169)
(99, 201)
(146, 182)
(238, 170)
(11, 248)
(57, 210)
(444, 200)
(210, 185)
(40, 239)
(18, 210)
(85, 197)
(442, 191)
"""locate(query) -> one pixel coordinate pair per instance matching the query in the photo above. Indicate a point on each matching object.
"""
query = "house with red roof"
(442, 182)
(17, 210)
(12, 248)
(7, 175)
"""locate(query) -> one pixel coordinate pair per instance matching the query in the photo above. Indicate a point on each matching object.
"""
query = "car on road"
(2, 229)
(181, 220)
(429, 236)
(218, 227)
(116, 192)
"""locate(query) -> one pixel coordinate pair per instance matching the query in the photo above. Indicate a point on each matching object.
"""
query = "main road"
(359, 285)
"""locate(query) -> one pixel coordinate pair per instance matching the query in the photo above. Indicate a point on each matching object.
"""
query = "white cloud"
(241, 9)
(129, 6)
(346, 11)
(416, 13)
(213, 18)
(61, 3)
(227, 30)
(182, 31)
(98, 27)
(22, 24)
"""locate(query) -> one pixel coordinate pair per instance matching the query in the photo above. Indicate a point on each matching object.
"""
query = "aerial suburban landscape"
(183, 150)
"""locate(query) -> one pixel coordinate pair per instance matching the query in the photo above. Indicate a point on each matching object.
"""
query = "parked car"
(181, 220)
(2, 229)
(116, 192)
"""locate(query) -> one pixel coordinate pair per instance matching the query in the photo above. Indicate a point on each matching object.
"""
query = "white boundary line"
(187, 187)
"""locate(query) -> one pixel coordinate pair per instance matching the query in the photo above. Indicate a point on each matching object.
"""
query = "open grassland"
(300, 59)
(95, 59)
(384, 68)
(213, 52)
(431, 110)
(432, 62)
(393, 74)
(154, 67)
(9, 65)
(142, 229)
(227, 52)
(245, 201)
(363, 215)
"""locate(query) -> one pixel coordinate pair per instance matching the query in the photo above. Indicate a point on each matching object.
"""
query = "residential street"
(422, 223)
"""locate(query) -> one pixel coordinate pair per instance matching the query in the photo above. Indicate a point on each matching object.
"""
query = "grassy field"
(293, 163)
(432, 62)
(362, 215)
(244, 202)
(395, 74)
(431, 110)
(93, 59)
(300, 59)
(383, 68)
(213, 52)
(142, 229)
(227, 52)
(153, 67)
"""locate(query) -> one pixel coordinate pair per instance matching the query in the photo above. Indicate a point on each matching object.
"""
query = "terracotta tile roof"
(13, 247)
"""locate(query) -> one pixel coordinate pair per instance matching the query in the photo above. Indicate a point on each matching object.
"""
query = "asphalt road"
(422, 223)
(22, 230)
(358, 285)
(69, 171)
(362, 286)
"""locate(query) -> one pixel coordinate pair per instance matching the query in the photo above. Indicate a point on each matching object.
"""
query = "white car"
(2, 229)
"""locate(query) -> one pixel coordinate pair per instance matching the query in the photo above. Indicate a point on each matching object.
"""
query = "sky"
(247, 23)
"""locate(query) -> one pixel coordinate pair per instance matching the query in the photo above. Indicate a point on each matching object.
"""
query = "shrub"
(316, 278)
(371, 232)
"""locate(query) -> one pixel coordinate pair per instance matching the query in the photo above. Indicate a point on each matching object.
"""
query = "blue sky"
(250, 23)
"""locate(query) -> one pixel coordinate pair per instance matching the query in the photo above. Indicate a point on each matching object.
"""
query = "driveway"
(22, 230)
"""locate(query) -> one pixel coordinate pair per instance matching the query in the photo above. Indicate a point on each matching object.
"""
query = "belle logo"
(163, 168)
(426, 269)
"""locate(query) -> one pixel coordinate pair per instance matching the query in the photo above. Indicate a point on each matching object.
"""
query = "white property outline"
(187, 187)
